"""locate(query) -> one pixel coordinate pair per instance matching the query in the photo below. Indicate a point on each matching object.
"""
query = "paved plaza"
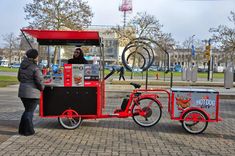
(112, 136)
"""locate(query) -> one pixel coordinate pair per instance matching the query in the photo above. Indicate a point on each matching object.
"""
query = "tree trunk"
(55, 55)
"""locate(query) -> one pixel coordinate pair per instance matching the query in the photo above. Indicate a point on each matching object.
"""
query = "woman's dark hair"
(81, 55)
(32, 53)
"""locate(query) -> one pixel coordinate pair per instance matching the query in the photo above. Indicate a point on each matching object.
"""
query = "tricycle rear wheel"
(194, 121)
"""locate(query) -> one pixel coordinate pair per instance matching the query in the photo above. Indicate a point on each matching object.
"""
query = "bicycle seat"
(135, 85)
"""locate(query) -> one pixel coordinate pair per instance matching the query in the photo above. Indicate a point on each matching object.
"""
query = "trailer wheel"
(195, 121)
(70, 119)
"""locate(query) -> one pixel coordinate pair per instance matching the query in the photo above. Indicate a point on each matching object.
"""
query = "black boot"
(26, 124)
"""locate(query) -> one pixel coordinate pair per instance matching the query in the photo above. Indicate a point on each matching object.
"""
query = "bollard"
(171, 84)
(157, 76)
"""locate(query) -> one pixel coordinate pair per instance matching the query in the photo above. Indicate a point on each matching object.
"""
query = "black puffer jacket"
(31, 80)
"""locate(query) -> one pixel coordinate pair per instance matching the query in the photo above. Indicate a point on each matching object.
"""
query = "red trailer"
(194, 108)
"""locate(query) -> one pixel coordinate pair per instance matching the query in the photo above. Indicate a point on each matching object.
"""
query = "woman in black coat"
(31, 83)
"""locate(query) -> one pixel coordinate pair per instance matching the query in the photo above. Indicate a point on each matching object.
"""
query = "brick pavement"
(119, 136)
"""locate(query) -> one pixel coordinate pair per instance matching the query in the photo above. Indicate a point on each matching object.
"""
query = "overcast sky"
(182, 18)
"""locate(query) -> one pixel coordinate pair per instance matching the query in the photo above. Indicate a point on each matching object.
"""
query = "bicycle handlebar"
(110, 74)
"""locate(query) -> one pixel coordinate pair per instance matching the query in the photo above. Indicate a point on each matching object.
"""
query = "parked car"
(110, 67)
(177, 68)
(4, 63)
(138, 70)
(219, 69)
(202, 69)
(153, 68)
(15, 65)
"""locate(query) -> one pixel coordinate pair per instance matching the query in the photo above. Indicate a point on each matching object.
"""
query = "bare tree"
(124, 35)
(141, 25)
(148, 26)
(58, 15)
(1, 54)
(145, 25)
(165, 40)
(23, 43)
(165, 44)
(187, 44)
(225, 36)
(10, 43)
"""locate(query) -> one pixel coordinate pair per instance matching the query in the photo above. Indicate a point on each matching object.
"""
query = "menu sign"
(57, 78)
(72, 75)
(53, 78)
(91, 72)
(67, 75)
(77, 75)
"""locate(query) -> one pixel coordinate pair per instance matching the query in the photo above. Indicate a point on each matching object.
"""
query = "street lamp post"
(193, 48)
(210, 63)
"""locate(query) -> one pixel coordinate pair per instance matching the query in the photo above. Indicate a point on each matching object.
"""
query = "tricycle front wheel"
(70, 122)
(194, 121)
(146, 112)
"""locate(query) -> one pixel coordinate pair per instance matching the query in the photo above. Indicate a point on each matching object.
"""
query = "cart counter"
(186, 98)
(70, 75)
(75, 87)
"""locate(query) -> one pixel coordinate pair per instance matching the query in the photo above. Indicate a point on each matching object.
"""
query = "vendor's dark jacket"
(77, 61)
(31, 80)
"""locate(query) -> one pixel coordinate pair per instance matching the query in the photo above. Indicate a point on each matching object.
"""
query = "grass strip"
(7, 80)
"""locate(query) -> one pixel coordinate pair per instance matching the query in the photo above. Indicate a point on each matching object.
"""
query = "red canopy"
(64, 37)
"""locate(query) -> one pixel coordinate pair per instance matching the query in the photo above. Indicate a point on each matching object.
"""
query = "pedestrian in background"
(121, 73)
(31, 83)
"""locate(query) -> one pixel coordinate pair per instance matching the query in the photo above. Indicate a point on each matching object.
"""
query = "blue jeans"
(26, 123)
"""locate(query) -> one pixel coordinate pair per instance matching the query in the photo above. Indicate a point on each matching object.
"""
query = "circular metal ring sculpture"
(138, 55)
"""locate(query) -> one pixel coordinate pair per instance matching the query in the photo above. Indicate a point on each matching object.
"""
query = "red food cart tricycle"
(77, 91)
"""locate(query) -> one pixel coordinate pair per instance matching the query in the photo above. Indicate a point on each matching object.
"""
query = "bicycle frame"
(133, 100)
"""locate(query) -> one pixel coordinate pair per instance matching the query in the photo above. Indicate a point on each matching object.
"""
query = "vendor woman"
(78, 57)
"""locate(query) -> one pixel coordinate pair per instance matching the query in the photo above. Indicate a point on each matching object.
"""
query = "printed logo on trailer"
(205, 102)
